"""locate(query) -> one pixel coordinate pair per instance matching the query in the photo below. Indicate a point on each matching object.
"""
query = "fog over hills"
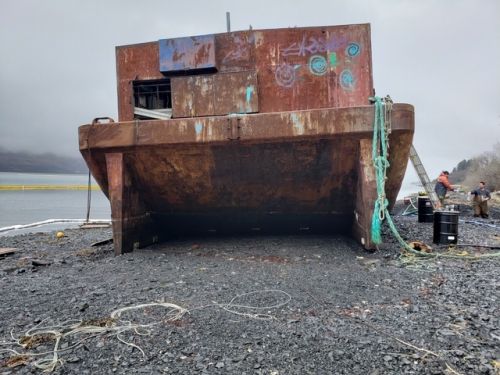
(18, 161)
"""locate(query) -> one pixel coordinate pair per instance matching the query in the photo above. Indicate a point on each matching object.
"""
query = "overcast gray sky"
(57, 61)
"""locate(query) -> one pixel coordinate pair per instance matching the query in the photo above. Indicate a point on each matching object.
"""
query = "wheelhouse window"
(152, 99)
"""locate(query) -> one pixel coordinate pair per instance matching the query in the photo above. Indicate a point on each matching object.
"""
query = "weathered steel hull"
(281, 171)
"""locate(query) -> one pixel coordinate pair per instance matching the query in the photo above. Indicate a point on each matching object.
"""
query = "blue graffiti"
(352, 49)
(347, 80)
(297, 124)
(318, 65)
(249, 93)
(198, 127)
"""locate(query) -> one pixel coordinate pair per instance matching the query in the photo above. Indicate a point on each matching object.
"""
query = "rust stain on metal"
(236, 92)
(216, 94)
(235, 51)
(188, 53)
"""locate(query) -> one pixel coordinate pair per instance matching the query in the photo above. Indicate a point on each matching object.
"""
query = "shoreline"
(47, 187)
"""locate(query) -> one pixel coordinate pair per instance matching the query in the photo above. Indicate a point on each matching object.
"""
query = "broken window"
(152, 99)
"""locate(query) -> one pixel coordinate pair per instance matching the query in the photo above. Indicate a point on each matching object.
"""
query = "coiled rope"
(380, 147)
(114, 325)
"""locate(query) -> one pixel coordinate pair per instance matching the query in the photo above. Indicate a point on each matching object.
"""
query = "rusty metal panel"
(236, 93)
(195, 52)
(193, 96)
(182, 97)
(288, 163)
(297, 69)
(162, 141)
(202, 88)
(235, 51)
(134, 62)
(320, 67)
(217, 94)
(263, 127)
(280, 175)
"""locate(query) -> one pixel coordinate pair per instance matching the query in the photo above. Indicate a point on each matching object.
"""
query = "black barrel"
(445, 227)
(425, 210)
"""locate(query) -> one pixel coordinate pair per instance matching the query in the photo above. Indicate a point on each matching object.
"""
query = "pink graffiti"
(314, 45)
(285, 75)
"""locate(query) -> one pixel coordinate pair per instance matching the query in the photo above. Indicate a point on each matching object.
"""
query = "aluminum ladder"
(424, 178)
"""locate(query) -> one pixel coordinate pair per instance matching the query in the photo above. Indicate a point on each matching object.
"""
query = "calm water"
(25, 207)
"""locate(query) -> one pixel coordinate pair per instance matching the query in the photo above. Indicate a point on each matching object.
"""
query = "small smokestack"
(228, 22)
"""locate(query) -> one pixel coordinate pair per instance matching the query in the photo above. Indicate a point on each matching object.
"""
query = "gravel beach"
(253, 305)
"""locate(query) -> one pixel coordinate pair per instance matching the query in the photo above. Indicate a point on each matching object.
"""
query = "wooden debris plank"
(7, 250)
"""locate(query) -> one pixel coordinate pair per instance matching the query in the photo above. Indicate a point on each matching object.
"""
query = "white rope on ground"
(47, 334)
(232, 308)
(115, 326)
(180, 310)
(51, 221)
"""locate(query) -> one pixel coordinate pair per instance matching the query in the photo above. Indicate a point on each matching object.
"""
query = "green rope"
(380, 162)
(380, 146)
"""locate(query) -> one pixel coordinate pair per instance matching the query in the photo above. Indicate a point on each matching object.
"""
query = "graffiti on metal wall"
(347, 80)
(285, 74)
(324, 56)
(298, 124)
(318, 65)
(313, 45)
(249, 91)
(241, 50)
(352, 50)
(333, 59)
(198, 128)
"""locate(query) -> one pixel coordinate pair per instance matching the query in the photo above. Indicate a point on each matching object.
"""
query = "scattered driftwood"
(4, 251)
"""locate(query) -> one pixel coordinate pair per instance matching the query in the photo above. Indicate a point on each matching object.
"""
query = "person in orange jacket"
(442, 186)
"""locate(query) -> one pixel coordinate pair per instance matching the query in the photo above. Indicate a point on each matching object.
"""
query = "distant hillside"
(484, 167)
(40, 163)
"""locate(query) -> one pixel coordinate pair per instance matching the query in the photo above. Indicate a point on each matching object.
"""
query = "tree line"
(484, 167)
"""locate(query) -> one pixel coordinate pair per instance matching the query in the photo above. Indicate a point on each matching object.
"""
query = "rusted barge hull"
(280, 171)
(246, 130)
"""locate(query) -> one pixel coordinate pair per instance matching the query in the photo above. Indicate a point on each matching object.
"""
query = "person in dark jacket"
(481, 196)
(442, 186)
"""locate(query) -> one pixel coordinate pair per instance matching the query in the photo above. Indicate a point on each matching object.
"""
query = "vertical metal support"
(228, 22)
(366, 193)
(118, 184)
(233, 128)
(132, 225)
